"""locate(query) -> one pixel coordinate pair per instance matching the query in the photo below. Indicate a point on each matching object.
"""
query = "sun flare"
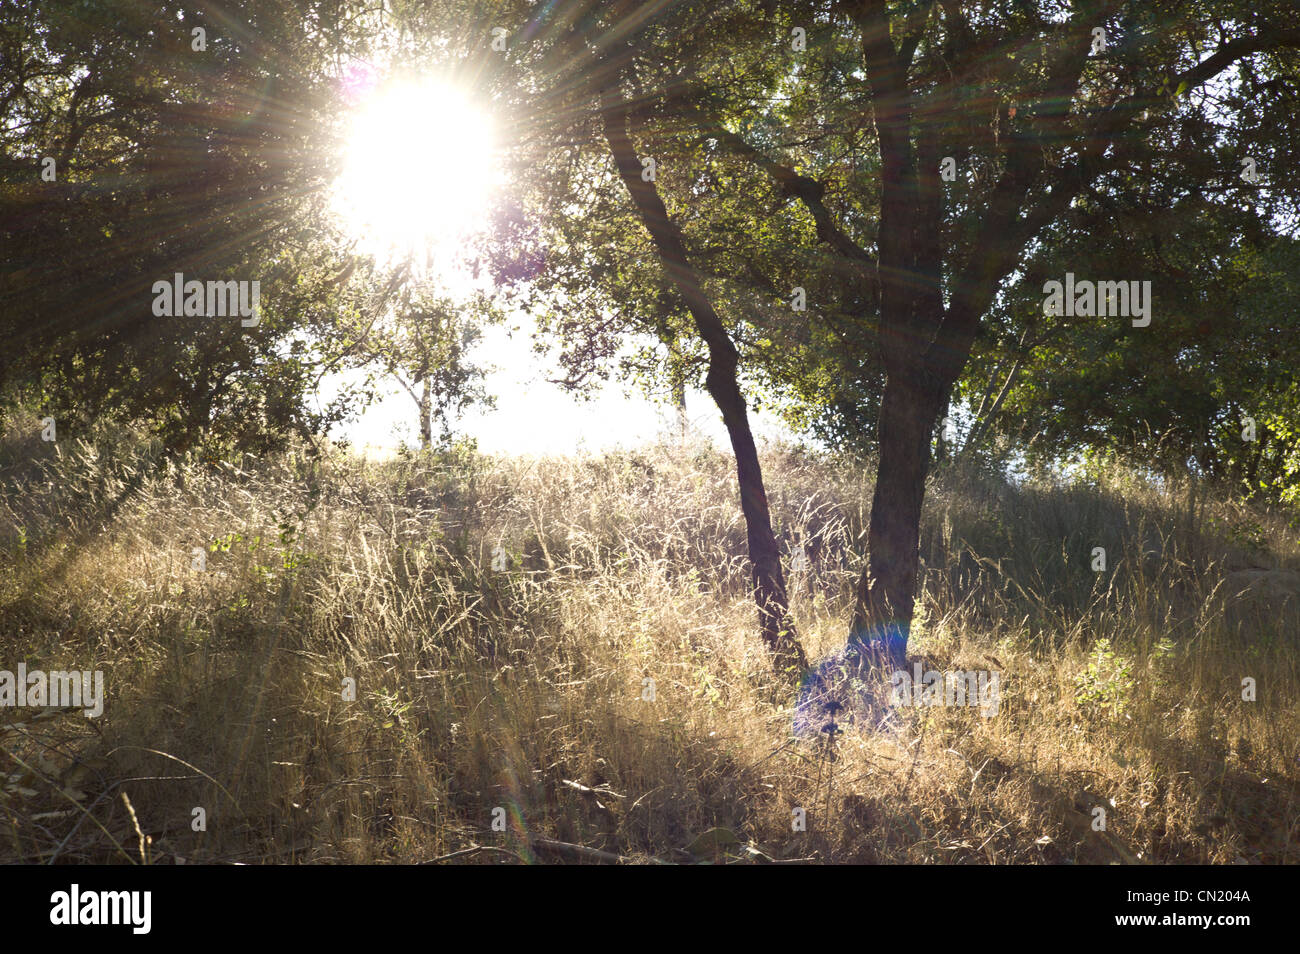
(419, 170)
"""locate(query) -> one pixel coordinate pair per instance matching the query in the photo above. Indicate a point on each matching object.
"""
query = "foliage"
(169, 160)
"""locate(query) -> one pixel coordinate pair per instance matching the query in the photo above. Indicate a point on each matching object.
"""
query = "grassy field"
(519, 695)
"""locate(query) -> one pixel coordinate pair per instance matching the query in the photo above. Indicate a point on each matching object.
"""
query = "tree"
(190, 144)
(423, 343)
(1036, 107)
(593, 136)
(1229, 372)
(913, 170)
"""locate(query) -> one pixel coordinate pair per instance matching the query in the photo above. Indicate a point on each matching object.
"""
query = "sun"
(419, 170)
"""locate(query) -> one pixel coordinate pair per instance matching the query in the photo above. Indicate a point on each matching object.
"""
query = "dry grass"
(523, 690)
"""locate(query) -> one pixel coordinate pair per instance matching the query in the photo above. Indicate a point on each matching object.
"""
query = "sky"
(419, 190)
(533, 416)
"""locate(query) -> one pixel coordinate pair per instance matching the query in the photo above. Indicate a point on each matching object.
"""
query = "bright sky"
(418, 189)
(533, 416)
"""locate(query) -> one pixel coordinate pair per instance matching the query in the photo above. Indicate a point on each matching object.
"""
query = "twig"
(467, 852)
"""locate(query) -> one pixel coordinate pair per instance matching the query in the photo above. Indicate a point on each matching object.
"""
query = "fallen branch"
(581, 852)
(467, 852)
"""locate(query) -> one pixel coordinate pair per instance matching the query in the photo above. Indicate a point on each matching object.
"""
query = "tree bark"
(426, 415)
(679, 402)
(775, 625)
(882, 616)
(910, 270)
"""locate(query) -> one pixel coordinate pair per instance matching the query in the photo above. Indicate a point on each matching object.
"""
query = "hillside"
(485, 693)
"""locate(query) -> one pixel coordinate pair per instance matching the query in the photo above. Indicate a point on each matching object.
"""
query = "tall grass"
(522, 694)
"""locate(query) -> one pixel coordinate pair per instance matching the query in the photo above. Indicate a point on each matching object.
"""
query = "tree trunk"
(426, 415)
(775, 624)
(679, 403)
(882, 615)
